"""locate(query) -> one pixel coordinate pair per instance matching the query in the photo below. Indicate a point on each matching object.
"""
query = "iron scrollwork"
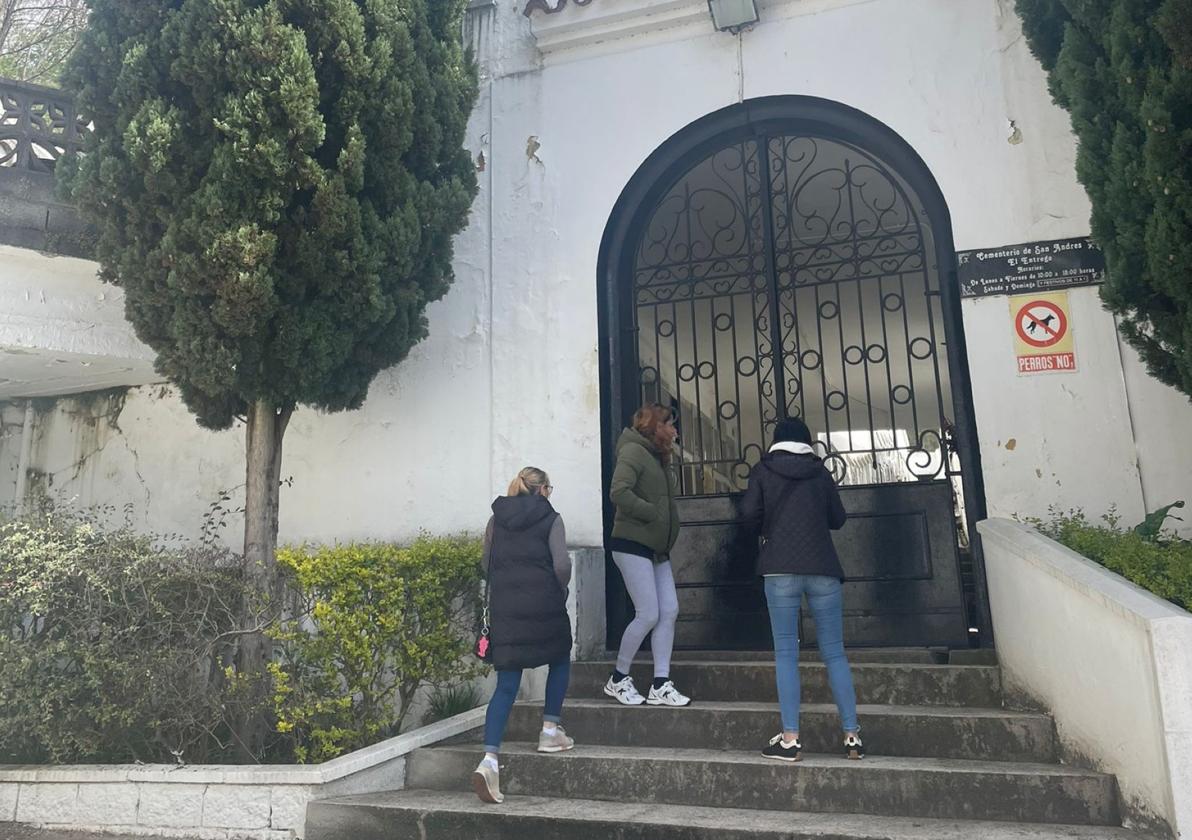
(790, 276)
(544, 6)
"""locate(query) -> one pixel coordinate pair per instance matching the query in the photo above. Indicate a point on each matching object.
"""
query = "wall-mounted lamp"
(733, 15)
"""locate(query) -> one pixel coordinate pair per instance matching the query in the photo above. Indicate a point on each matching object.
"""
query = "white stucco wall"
(509, 375)
(58, 304)
(1120, 690)
(413, 459)
(61, 331)
(1037, 432)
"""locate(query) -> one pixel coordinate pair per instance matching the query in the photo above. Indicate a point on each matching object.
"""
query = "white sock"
(490, 761)
(551, 729)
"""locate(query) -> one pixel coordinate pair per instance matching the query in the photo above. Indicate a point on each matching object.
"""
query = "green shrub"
(1158, 562)
(378, 623)
(452, 700)
(113, 649)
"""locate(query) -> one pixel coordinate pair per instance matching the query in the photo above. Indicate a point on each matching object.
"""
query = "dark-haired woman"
(793, 500)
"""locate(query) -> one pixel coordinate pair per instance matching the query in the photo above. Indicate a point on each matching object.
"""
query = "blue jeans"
(508, 682)
(784, 596)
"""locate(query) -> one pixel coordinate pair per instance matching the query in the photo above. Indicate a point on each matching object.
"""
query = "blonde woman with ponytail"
(528, 569)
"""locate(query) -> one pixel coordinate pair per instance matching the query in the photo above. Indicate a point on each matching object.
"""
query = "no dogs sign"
(1043, 333)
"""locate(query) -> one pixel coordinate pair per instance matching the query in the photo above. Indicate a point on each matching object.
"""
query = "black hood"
(517, 513)
(791, 466)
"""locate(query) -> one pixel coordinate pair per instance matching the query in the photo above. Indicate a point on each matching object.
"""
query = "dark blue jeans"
(784, 595)
(508, 682)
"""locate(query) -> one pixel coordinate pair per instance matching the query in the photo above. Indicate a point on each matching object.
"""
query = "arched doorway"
(793, 256)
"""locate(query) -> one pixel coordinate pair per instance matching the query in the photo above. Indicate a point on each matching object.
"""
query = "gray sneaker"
(559, 742)
(487, 784)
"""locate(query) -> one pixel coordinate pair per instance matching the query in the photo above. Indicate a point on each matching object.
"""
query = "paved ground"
(20, 832)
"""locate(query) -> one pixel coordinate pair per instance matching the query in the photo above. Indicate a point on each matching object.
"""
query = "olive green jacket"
(643, 492)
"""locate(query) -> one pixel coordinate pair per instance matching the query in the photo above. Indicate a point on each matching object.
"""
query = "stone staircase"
(946, 760)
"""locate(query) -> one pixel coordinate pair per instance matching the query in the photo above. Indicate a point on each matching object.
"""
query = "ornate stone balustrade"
(37, 126)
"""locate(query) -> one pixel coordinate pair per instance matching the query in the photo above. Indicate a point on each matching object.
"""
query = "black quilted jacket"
(792, 501)
(528, 605)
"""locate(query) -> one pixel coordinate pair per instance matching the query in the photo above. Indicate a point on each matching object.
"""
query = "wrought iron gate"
(785, 271)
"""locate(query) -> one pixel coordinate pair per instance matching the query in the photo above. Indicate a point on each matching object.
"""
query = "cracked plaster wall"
(509, 375)
(12, 421)
(350, 476)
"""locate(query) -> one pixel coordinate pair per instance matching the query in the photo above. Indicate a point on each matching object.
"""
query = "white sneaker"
(667, 695)
(487, 783)
(624, 692)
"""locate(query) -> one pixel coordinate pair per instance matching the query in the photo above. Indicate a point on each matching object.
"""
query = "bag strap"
(484, 616)
(772, 512)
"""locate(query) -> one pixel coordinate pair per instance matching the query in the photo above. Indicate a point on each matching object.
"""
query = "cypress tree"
(276, 185)
(1123, 71)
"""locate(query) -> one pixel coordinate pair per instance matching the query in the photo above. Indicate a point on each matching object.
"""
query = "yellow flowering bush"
(377, 623)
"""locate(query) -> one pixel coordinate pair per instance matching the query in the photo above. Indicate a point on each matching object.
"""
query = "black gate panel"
(781, 268)
(721, 603)
(898, 550)
(900, 554)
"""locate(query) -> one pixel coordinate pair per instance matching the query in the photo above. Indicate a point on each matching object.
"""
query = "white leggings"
(652, 588)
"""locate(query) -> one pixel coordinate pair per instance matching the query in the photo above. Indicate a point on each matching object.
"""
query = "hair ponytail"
(529, 482)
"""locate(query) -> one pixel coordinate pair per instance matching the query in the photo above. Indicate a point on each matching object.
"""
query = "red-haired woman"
(645, 528)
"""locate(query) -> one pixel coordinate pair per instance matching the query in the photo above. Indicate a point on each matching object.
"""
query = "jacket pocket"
(644, 514)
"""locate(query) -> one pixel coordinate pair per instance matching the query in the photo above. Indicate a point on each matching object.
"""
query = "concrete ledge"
(62, 331)
(209, 802)
(32, 216)
(1109, 660)
(576, 26)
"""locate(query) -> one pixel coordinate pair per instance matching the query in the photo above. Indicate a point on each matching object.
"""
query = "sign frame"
(1047, 266)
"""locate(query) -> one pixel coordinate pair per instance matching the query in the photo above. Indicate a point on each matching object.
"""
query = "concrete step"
(885, 786)
(889, 655)
(899, 685)
(439, 815)
(923, 731)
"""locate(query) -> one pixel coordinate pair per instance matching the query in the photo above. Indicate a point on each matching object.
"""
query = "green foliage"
(113, 649)
(1159, 563)
(451, 701)
(276, 185)
(379, 622)
(116, 649)
(1123, 69)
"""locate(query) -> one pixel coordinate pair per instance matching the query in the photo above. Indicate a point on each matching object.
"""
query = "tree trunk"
(265, 429)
